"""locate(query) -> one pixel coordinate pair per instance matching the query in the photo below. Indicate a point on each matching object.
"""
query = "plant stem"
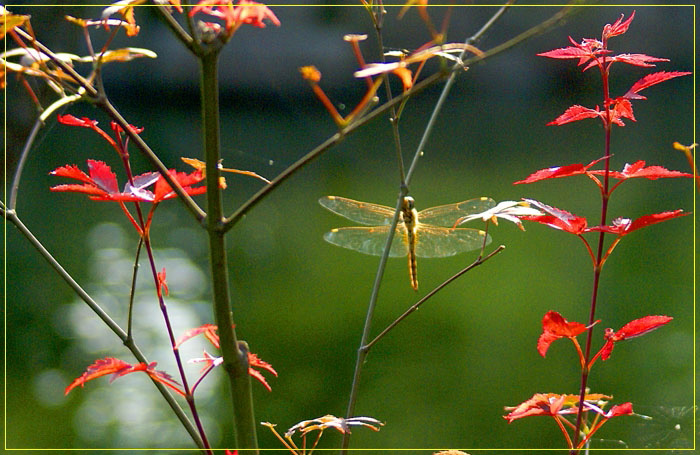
(480, 260)
(14, 189)
(171, 337)
(235, 354)
(598, 265)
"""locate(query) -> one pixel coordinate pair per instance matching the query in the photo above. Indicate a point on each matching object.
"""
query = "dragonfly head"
(408, 203)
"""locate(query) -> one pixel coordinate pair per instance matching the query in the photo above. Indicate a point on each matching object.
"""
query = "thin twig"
(480, 260)
(132, 293)
(14, 189)
(445, 92)
(527, 34)
(177, 29)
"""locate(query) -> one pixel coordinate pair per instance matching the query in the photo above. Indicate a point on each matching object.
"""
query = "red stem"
(163, 308)
(605, 194)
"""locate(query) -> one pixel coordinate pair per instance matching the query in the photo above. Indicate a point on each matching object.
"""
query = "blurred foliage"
(442, 377)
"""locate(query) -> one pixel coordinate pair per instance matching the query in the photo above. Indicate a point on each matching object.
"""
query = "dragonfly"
(429, 233)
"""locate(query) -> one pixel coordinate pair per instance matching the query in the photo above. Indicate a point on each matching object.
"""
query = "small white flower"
(508, 210)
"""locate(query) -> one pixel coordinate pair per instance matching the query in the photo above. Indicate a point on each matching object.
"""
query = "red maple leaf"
(623, 226)
(558, 172)
(118, 368)
(164, 191)
(554, 327)
(102, 184)
(557, 218)
(574, 114)
(85, 122)
(618, 28)
(245, 12)
(632, 329)
(649, 80)
(637, 59)
(638, 170)
(621, 109)
(209, 331)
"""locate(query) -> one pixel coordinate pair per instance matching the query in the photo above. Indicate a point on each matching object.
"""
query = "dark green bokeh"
(442, 377)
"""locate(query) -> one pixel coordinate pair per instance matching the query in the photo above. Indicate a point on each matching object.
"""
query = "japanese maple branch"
(189, 397)
(11, 215)
(415, 306)
(234, 354)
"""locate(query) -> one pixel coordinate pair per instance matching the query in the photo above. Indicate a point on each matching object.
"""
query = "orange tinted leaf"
(126, 9)
(125, 55)
(10, 21)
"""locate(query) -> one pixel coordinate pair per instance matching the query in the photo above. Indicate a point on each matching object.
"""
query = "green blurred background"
(443, 376)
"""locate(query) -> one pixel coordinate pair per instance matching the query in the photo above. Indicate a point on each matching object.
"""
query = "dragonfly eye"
(408, 203)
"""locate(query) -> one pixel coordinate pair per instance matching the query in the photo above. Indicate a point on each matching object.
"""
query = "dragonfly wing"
(447, 215)
(359, 212)
(367, 240)
(437, 242)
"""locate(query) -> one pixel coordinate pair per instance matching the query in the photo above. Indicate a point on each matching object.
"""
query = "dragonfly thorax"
(409, 214)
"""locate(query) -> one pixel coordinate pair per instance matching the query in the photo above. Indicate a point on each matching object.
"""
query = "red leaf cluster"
(118, 368)
(592, 52)
(555, 327)
(246, 12)
(209, 331)
(101, 184)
